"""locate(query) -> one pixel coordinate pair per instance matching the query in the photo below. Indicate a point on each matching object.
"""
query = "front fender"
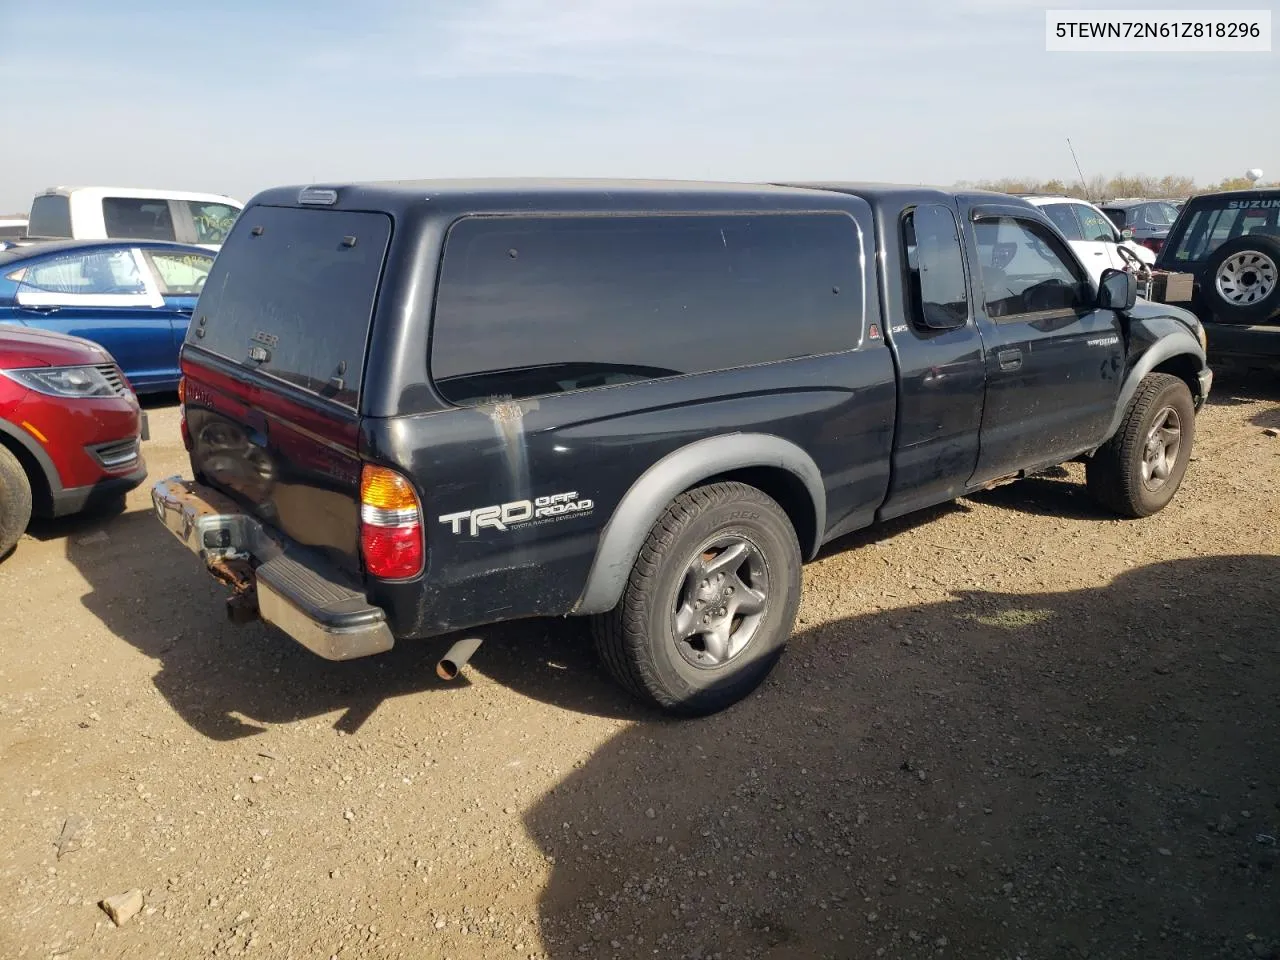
(1178, 342)
(679, 470)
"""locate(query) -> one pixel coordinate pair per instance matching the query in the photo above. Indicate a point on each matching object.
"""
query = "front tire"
(710, 602)
(15, 501)
(1138, 471)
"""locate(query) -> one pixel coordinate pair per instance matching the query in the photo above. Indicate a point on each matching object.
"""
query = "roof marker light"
(321, 195)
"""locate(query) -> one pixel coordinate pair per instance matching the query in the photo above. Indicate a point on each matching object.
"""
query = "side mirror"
(1118, 290)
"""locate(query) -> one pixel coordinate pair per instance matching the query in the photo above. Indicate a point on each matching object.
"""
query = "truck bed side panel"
(592, 446)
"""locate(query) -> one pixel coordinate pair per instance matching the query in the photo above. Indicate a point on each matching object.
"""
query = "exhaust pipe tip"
(451, 664)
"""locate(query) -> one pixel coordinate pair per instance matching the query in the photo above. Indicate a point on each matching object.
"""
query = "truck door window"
(1026, 269)
(213, 221)
(1064, 218)
(935, 268)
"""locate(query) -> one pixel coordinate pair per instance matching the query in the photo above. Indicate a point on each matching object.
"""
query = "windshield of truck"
(291, 295)
(1213, 222)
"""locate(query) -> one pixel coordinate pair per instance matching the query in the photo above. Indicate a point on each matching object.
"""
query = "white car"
(1091, 234)
(108, 213)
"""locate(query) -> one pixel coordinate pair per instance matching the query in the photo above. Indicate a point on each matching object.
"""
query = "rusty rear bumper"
(290, 588)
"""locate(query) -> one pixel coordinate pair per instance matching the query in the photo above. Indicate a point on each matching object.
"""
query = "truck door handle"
(1010, 358)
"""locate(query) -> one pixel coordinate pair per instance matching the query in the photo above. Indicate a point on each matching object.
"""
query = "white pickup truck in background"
(100, 213)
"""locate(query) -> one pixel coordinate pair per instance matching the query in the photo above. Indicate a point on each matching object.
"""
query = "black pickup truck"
(417, 408)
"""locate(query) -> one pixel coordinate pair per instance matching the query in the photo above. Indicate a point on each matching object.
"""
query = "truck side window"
(935, 267)
(1026, 269)
(533, 306)
(137, 219)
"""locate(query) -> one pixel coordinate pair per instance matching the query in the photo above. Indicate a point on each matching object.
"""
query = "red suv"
(70, 428)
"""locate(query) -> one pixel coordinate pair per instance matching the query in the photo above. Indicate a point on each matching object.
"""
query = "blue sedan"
(133, 297)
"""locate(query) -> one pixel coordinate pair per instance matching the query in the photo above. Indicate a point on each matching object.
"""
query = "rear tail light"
(390, 525)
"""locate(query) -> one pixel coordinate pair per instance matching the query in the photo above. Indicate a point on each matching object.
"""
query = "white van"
(100, 213)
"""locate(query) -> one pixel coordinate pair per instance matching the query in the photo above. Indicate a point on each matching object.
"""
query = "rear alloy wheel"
(15, 501)
(710, 602)
(1241, 281)
(1137, 472)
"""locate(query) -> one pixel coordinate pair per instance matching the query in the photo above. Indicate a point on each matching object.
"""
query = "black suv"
(1229, 243)
(417, 408)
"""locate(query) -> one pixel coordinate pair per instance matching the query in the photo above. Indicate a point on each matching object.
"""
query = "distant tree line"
(1104, 188)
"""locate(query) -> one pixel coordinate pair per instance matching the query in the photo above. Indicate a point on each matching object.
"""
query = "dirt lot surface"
(1011, 728)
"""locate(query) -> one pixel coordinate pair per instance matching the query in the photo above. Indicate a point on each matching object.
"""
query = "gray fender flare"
(679, 470)
(1180, 343)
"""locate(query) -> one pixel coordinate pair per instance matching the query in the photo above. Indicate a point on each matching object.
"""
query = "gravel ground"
(1012, 727)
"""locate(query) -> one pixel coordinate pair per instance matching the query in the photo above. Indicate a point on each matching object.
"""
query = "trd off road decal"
(504, 516)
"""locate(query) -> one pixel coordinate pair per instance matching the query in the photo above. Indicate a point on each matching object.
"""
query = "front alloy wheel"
(1160, 454)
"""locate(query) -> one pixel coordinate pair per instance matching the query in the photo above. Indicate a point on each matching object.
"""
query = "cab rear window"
(291, 295)
(50, 217)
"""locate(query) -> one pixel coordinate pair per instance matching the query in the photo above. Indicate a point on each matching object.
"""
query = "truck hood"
(28, 347)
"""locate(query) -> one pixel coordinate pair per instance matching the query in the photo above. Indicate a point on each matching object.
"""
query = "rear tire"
(1138, 471)
(15, 501)
(710, 602)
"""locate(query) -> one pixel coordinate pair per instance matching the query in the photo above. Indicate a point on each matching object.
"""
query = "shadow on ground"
(1235, 386)
(230, 681)
(1082, 774)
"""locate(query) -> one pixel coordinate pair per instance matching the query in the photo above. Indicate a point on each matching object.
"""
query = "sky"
(237, 95)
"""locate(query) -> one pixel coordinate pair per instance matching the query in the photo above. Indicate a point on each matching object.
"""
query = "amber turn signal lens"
(386, 489)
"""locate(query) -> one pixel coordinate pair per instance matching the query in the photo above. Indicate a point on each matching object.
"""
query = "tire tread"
(620, 633)
(1109, 476)
(15, 500)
